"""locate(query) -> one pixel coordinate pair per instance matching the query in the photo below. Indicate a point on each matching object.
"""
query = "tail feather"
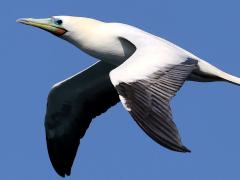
(208, 72)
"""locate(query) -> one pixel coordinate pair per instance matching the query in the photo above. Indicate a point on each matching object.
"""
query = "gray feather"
(148, 101)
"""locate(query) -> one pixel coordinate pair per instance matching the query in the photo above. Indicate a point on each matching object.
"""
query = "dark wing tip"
(62, 172)
(181, 149)
(184, 149)
(178, 147)
(62, 156)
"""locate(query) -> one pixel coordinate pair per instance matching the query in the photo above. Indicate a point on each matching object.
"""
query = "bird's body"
(103, 41)
(143, 70)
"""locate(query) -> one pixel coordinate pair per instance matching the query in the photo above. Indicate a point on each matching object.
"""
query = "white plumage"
(146, 71)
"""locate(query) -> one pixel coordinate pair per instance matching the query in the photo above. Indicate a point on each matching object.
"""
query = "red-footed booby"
(142, 70)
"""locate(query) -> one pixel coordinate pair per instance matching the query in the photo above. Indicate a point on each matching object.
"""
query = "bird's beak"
(45, 24)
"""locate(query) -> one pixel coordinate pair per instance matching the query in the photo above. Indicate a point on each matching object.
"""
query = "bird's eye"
(58, 22)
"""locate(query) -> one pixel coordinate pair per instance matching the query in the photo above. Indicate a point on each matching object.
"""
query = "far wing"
(72, 104)
(146, 85)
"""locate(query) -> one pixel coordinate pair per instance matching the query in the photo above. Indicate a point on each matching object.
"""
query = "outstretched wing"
(72, 104)
(146, 82)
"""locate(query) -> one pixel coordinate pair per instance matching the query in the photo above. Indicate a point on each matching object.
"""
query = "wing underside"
(72, 104)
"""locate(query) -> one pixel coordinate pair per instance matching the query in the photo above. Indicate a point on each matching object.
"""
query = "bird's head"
(70, 28)
(57, 25)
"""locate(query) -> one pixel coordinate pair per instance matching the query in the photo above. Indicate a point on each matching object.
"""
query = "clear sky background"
(207, 114)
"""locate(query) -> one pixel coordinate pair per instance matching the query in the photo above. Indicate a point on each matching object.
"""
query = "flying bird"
(141, 70)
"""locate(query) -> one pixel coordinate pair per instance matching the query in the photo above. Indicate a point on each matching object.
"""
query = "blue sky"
(207, 114)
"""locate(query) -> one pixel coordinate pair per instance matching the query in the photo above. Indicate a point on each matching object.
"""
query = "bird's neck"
(84, 30)
(99, 40)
